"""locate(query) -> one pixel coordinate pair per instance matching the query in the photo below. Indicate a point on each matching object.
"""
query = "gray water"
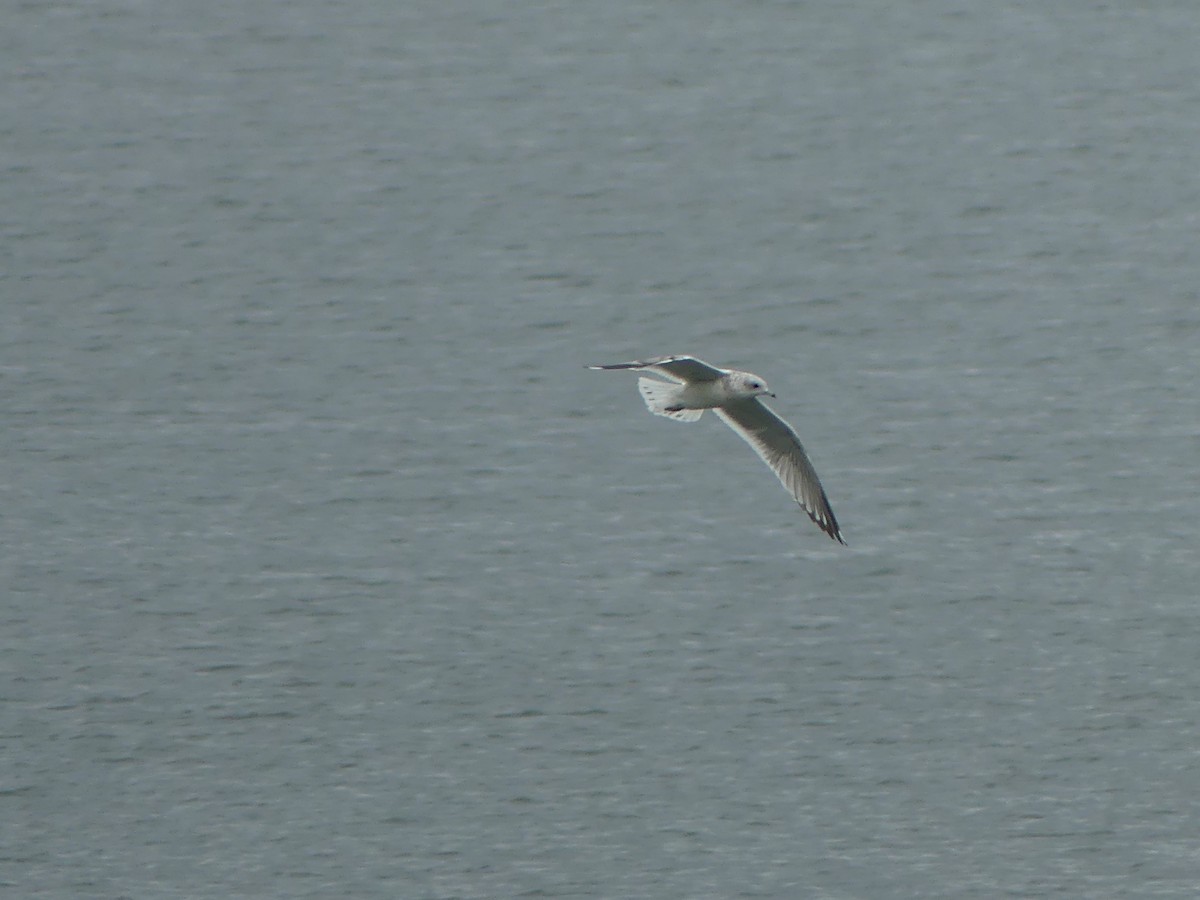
(328, 571)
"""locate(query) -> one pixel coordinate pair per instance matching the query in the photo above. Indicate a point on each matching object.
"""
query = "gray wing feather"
(677, 368)
(776, 443)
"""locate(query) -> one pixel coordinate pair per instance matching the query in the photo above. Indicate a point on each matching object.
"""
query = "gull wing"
(776, 443)
(678, 368)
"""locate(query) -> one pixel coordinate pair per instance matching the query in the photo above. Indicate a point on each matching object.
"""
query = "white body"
(696, 386)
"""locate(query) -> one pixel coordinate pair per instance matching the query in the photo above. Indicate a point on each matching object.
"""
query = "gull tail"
(662, 397)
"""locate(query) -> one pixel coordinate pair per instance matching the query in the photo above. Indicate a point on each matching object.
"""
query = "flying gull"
(696, 386)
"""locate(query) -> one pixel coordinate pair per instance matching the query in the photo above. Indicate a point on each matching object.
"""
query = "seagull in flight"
(695, 386)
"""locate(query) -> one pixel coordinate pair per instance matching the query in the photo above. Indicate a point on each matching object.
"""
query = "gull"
(695, 386)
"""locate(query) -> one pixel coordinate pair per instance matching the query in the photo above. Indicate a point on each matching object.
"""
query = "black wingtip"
(834, 532)
(829, 526)
(628, 365)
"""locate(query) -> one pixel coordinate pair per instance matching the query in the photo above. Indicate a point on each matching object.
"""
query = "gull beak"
(770, 394)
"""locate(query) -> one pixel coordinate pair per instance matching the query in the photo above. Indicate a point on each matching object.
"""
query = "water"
(329, 571)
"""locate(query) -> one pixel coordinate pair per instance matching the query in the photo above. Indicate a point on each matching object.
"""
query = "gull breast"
(706, 394)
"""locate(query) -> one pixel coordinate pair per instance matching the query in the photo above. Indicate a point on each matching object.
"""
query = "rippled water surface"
(329, 571)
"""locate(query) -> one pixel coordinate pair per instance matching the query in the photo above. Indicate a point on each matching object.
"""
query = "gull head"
(745, 385)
